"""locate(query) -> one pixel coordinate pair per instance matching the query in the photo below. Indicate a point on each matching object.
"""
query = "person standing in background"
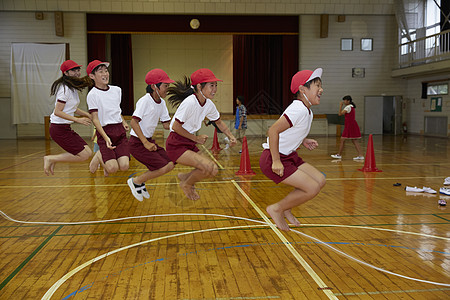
(241, 118)
(351, 129)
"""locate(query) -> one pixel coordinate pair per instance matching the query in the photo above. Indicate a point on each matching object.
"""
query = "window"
(366, 44)
(422, 20)
(437, 89)
(346, 44)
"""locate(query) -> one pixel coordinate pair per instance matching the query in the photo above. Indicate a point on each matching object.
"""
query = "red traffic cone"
(369, 160)
(245, 168)
(215, 145)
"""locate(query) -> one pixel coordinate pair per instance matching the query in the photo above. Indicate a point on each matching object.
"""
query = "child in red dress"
(351, 129)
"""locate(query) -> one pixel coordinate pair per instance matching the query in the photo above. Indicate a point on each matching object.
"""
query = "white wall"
(416, 108)
(21, 27)
(337, 77)
(364, 18)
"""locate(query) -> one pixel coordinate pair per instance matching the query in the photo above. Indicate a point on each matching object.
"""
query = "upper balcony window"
(437, 89)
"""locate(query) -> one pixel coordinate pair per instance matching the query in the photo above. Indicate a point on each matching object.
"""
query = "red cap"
(93, 64)
(302, 77)
(156, 76)
(203, 75)
(69, 65)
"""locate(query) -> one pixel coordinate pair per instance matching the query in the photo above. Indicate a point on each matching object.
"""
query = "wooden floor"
(75, 235)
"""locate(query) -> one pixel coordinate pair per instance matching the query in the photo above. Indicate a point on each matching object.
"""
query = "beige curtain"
(34, 67)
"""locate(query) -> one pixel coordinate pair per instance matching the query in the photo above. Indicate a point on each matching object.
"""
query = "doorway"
(383, 115)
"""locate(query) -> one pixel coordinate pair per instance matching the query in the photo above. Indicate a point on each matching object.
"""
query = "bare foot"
(277, 217)
(52, 168)
(188, 190)
(195, 194)
(48, 166)
(291, 218)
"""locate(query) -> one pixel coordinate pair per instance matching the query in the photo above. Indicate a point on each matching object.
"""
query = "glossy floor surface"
(77, 235)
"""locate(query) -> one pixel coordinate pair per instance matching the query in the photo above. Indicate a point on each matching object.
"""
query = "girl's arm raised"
(224, 128)
(341, 111)
(83, 113)
(59, 107)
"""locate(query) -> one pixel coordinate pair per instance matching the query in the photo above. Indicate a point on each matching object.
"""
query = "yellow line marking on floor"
(213, 158)
(288, 245)
(33, 154)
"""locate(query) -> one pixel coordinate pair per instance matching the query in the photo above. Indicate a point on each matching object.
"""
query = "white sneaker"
(227, 140)
(336, 156)
(358, 158)
(227, 146)
(445, 191)
(428, 190)
(413, 189)
(144, 191)
(447, 181)
(136, 193)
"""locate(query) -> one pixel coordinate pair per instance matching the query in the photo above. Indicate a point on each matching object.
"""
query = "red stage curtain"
(122, 70)
(263, 66)
(96, 46)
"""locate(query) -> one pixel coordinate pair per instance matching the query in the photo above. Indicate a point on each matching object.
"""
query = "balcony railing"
(424, 50)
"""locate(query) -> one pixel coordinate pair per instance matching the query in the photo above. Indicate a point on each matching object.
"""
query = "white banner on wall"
(34, 67)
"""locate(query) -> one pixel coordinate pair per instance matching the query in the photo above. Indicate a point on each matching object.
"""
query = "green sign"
(436, 104)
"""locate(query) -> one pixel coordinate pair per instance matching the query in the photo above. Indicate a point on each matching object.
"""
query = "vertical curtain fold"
(122, 70)
(96, 44)
(262, 68)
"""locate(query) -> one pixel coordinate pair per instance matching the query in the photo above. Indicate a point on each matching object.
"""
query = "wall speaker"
(323, 26)
(39, 15)
(59, 23)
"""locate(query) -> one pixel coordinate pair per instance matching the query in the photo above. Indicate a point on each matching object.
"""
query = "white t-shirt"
(71, 100)
(190, 114)
(106, 103)
(149, 112)
(300, 118)
(348, 108)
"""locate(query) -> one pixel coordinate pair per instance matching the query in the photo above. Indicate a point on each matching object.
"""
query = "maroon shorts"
(153, 160)
(68, 139)
(176, 145)
(118, 137)
(290, 162)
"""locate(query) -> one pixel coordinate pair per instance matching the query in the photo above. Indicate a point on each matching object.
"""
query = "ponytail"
(73, 83)
(349, 98)
(180, 91)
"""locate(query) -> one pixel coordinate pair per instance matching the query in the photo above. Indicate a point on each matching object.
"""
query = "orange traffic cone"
(369, 160)
(245, 168)
(215, 145)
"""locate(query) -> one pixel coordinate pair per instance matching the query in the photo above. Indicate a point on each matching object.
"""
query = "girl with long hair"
(193, 97)
(66, 90)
